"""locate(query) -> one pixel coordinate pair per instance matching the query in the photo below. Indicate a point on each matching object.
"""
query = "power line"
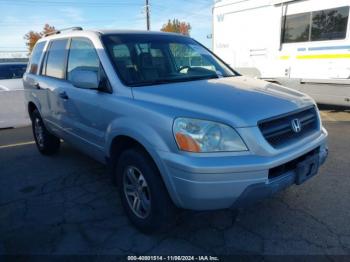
(21, 23)
(9, 47)
(14, 51)
(68, 3)
(200, 10)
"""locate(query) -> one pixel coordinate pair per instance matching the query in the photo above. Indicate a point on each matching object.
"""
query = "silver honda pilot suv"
(176, 125)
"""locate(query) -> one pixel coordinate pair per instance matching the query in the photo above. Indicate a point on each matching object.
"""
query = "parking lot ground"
(334, 114)
(66, 204)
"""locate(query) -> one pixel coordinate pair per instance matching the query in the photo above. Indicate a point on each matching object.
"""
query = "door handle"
(63, 95)
(37, 86)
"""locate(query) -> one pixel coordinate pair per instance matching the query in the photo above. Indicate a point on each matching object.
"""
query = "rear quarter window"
(35, 58)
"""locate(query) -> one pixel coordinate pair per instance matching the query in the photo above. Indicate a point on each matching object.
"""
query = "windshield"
(146, 59)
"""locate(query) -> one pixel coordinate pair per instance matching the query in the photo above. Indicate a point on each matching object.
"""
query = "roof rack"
(74, 28)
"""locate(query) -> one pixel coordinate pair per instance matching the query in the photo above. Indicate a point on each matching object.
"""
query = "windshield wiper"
(174, 80)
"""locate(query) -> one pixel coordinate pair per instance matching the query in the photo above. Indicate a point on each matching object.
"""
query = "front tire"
(143, 193)
(46, 143)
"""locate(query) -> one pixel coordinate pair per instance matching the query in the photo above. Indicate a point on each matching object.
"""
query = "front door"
(85, 119)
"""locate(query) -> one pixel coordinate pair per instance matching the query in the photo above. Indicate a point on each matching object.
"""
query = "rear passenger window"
(35, 57)
(55, 63)
(189, 56)
(121, 53)
(82, 55)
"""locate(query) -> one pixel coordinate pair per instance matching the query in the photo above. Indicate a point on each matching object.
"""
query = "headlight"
(194, 135)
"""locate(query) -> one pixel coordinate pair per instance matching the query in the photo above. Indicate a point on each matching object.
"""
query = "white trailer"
(302, 44)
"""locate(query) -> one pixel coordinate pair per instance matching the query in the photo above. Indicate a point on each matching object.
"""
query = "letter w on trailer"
(303, 45)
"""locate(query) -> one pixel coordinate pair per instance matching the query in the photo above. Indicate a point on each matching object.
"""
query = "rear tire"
(138, 178)
(46, 143)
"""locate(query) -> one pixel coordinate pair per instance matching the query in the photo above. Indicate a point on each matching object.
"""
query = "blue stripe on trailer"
(329, 48)
(302, 49)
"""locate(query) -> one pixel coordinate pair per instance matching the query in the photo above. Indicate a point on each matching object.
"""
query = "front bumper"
(207, 183)
(256, 192)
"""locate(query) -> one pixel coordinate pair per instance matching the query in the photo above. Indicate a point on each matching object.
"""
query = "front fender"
(151, 140)
(136, 129)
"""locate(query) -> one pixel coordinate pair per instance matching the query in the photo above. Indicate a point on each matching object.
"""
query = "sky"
(20, 16)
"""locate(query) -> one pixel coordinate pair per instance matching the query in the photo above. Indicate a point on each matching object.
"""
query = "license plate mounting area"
(307, 169)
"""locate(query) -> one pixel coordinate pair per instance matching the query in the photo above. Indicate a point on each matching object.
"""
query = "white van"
(300, 44)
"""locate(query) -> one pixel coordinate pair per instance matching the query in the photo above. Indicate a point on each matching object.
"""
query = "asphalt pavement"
(66, 204)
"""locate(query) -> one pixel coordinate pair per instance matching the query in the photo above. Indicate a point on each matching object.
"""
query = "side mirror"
(87, 78)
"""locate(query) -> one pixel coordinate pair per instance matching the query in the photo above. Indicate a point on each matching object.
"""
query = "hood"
(239, 101)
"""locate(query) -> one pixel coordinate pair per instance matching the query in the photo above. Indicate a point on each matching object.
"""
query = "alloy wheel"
(39, 132)
(137, 192)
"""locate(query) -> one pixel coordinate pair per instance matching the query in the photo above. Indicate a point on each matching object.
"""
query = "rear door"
(53, 81)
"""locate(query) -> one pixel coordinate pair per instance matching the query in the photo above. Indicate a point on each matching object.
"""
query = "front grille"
(278, 131)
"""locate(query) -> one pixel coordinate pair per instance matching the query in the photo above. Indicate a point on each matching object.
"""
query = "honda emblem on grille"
(296, 125)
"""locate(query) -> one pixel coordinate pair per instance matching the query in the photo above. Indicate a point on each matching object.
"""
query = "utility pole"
(148, 16)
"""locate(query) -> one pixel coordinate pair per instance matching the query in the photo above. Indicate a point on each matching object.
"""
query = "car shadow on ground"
(334, 108)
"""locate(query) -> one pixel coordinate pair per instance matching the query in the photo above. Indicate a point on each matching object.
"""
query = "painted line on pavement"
(18, 144)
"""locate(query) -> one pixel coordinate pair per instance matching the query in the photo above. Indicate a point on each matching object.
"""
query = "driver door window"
(82, 55)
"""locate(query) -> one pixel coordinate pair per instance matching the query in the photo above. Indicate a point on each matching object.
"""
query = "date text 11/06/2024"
(172, 258)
